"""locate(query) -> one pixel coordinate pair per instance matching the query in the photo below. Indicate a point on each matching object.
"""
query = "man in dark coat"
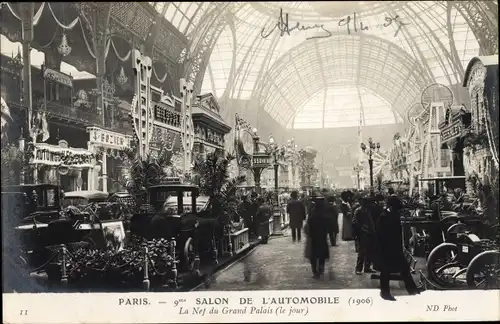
(264, 212)
(245, 210)
(332, 214)
(364, 231)
(297, 211)
(390, 257)
(253, 212)
(317, 231)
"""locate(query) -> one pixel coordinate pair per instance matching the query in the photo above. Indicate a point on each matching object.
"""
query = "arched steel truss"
(341, 60)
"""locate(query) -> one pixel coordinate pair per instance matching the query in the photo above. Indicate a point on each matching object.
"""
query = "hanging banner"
(58, 77)
(452, 131)
(108, 139)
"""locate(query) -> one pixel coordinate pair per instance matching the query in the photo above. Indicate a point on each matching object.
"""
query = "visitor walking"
(332, 214)
(364, 231)
(317, 231)
(297, 211)
(389, 250)
(345, 208)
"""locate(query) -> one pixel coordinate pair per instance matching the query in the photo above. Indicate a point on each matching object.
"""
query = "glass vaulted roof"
(183, 15)
(379, 70)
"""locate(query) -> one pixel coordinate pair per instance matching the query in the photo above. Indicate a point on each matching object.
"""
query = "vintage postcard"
(217, 162)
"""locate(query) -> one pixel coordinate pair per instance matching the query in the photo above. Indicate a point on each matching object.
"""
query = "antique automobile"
(468, 262)
(96, 202)
(425, 227)
(39, 227)
(176, 211)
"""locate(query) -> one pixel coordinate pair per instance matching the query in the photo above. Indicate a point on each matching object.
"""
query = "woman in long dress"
(346, 210)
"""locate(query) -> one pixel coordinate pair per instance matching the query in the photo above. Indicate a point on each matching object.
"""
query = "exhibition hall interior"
(216, 146)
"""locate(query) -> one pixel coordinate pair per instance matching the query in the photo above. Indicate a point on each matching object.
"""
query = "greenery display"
(12, 159)
(111, 268)
(144, 172)
(471, 139)
(211, 174)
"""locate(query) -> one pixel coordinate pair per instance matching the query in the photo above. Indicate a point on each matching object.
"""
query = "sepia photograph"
(276, 156)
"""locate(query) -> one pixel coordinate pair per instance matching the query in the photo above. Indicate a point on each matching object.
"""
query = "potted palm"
(211, 174)
(144, 172)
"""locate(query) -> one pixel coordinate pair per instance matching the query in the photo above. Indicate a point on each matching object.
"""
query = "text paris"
(355, 24)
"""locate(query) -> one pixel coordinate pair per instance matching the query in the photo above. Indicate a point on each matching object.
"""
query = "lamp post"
(357, 169)
(259, 160)
(276, 153)
(370, 150)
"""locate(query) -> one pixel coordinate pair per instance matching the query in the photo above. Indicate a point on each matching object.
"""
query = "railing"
(80, 115)
(234, 243)
(239, 240)
(76, 114)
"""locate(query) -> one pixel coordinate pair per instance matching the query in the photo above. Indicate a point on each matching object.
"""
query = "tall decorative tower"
(187, 126)
(142, 108)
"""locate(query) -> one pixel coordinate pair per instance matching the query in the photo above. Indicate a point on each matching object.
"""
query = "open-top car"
(83, 198)
(94, 202)
(176, 211)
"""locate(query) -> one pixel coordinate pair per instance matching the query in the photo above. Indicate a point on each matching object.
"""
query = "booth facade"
(481, 143)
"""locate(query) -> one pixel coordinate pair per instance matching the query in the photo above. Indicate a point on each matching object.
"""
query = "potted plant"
(211, 174)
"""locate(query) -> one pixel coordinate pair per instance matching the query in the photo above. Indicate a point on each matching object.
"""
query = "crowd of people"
(371, 221)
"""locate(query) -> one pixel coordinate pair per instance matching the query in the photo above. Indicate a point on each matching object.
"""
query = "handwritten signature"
(284, 27)
(351, 23)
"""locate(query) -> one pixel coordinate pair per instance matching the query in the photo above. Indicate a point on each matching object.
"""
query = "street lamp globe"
(254, 131)
(271, 139)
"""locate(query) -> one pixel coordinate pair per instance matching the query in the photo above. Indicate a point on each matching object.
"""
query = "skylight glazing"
(183, 15)
(342, 106)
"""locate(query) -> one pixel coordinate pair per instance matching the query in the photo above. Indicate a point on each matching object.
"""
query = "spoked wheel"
(484, 271)
(189, 254)
(443, 267)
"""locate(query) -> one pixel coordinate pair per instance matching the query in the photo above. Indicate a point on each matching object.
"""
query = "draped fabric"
(162, 79)
(59, 23)
(124, 58)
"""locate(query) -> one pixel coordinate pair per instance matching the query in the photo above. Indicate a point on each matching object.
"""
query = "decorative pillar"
(104, 171)
(186, 89)
(141, 108)
(27, 11)
(79, 181)
(97, 18)
(90, 173)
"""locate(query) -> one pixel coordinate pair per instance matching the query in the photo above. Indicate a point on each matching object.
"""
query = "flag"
(45, 127)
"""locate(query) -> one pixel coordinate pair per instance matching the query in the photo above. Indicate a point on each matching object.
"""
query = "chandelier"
(64, 49)
(122, 78)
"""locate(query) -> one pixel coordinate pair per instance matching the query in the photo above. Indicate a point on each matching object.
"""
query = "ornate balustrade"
(234, 243)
